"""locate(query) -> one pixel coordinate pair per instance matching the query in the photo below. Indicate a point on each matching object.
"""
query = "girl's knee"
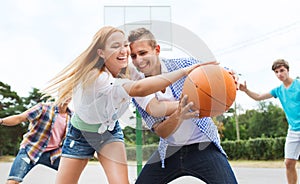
(12, 182)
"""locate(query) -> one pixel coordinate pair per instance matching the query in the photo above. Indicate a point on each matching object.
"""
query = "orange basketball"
(211, 88)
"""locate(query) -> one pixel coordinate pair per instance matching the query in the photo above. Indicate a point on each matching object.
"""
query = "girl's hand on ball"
(209, 63)
(191, 68)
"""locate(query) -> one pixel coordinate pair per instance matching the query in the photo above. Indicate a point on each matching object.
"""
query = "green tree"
(244, 123)
(148, 136)
(229, 130)
(266, 121)
(33, 98)
(277, 121)
(11, 103)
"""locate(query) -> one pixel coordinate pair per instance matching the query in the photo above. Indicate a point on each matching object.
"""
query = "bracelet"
(1, 122)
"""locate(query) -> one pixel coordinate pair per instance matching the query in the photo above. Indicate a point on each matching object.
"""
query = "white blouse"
(102, 102)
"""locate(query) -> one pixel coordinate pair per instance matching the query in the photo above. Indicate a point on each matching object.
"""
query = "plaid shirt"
(41, 119)
(206, 125)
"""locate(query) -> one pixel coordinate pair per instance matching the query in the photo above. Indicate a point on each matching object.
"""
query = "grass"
(6, 158)
(258, 163)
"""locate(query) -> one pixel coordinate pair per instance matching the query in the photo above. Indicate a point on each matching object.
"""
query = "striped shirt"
(206, 125)
(41, 119)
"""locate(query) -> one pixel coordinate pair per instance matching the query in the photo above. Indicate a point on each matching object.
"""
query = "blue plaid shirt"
(206, 125)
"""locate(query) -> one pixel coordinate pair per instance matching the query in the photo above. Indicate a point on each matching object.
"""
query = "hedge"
(252, 149)
(147, 151)
(255, 149)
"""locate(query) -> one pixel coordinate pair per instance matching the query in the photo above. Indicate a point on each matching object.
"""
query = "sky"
(39, 38)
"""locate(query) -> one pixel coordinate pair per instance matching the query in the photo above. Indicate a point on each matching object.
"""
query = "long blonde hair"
(78, 71)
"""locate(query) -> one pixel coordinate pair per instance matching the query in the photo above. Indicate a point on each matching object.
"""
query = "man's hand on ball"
(184, 110)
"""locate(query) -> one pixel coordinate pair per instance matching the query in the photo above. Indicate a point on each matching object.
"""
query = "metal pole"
(236, 123)
(139, 143)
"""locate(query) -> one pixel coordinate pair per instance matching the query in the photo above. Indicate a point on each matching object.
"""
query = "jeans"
(22, 165)
(201, 160)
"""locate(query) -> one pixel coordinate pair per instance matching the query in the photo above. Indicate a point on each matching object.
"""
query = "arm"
(153, 84)
(253, 95)
(170, 125)
(14, 119)
(161, 108)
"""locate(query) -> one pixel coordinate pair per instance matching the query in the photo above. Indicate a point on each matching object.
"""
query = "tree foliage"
(268, 120)
(148, 136)
(11, 104)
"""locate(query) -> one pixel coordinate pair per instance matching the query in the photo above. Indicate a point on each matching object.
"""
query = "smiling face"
(115, 53)
(145, 57)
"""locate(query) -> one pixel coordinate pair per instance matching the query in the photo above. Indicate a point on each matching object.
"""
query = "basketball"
(211, 88)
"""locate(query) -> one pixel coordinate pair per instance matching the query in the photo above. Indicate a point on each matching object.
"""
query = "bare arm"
(254, 95)
(153, 84)
(15, 119)
(170, 125)
(161, 108)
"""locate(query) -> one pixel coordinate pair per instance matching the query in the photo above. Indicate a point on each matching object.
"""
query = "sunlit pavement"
(94, 174)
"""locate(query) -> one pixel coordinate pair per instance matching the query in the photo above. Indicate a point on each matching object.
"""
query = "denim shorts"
(82, 144)
(22, 165)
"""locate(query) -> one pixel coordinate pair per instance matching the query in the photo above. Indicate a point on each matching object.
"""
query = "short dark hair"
(280, 62)
(142, 34)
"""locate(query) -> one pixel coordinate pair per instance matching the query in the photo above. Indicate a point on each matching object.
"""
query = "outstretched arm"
(14, 119)
(153, 84)
(254, 95)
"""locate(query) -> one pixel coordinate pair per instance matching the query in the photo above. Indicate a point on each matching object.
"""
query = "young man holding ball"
(188, 146)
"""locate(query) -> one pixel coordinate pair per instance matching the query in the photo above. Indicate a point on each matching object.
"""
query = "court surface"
(94, 174)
